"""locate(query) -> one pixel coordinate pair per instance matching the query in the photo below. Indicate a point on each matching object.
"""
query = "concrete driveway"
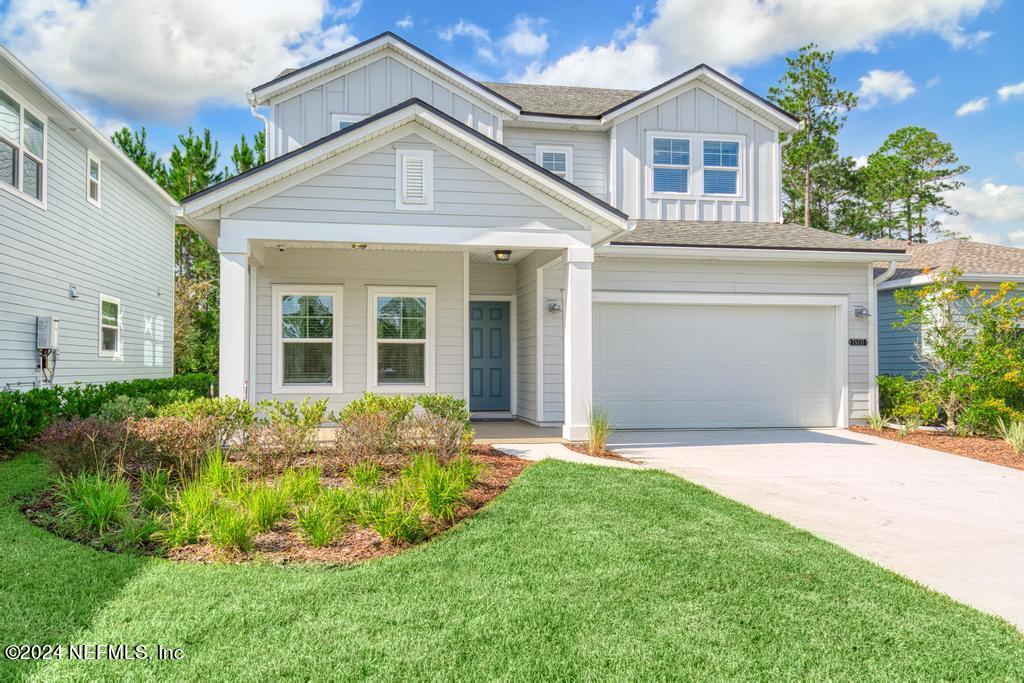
(951, 523)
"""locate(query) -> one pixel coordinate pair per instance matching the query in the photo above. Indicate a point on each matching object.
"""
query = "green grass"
(575, 572)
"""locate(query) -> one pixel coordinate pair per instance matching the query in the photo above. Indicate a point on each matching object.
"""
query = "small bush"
(444, 437)
(231, 418)
(25, 415)
(89, 444)
(1013, 434)
(290, 431)
(231, 528)
(380, 415)
(396, 407)
(318, 523)
(983, 417)
(365, 474)
(93, 501)
(364, 437)
(267, 503)
(175, 441)
(599, 428)
(448, 407)
(154, 489)
(302, 485)
(121, 408)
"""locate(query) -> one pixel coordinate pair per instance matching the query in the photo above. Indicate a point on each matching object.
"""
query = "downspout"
(873, 282)
(266, 126)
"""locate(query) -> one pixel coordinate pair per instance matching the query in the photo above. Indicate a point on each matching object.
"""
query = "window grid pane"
(33, 135)
(401, 317)
(672, 151)
(32, 178)
(307, 317)
(719, 182)
(555, 162)
(109, 336)
(401, 363)
(721, 153)
(109, 309)
(10, 118)
(308, 363)
(667, 179)
(8, 164)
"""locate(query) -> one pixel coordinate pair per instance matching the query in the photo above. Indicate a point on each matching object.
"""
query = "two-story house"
(86, 247)
(537, 249)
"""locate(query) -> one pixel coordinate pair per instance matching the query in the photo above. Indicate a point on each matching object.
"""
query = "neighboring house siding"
(897, 347)
(124, 249)
(753, 277)
(368, 89)
(355, 270)
(589, 153)
(492, 279)
(697, 111)
(363, 192)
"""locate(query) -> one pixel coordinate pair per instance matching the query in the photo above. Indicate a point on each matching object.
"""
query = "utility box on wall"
(47, 333)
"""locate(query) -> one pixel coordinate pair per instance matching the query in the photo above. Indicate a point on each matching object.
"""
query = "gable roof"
(967, 256)
(563, 100)
(734, 235)
(293, 77)
(390, 118)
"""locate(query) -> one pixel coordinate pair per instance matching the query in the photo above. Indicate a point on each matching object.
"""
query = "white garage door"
(713, 366)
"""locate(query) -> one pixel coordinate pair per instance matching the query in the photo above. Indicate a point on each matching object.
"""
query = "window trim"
(103, 353)
(338, 117)
(20, 147)
(540, 149)
(401, 154)
(696, 167)
(89, 159)
(373, 292)
(337, 354)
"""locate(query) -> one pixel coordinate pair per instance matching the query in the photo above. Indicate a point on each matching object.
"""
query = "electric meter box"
(47, 333)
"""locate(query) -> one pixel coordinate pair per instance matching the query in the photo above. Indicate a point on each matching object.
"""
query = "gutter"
(873, 282)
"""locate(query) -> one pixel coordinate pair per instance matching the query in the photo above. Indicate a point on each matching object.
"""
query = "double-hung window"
(670, 164)
(557, 159)
(92, 179)
(401, 339)
(307, 339)
(343, 121)
(721, 167)
(22, 148)
(110, 326)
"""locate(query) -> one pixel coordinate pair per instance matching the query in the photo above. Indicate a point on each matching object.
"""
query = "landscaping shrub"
(365, 474)
(121, 408)
(318, 523)
(599, 428)
(303, 484)
(1013, 434)
(379, 415)
(983, 417)
(175, 441)
(444, 437)
(363, 437)
(446, 406)
(290, 430)
(154, 489)
(88, 444)
(395, 406)
(24, 415)
(267, 503)
(231, 418)
(438, 489)
(93, 501)
(231, 529)
(894, 391)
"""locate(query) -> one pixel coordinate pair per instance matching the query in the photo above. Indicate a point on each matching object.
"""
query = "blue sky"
(954, 66)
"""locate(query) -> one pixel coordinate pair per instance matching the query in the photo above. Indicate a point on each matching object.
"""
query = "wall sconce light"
(358, 245)
(861, 312)
(280, 248)
(502, 254)
(72, 291)
(554, 305)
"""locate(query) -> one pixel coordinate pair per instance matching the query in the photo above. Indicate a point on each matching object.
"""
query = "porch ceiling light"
(358, 245)
(502, 254)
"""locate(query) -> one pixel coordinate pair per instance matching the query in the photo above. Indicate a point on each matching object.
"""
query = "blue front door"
(489, 337)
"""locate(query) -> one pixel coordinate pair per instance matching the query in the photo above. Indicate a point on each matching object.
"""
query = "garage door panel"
(709, 366)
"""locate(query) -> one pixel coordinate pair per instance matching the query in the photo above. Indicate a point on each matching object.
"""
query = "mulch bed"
(610, 455)
(995, 451)
(283, 545)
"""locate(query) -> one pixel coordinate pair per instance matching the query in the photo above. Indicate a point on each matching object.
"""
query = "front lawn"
(575, 571)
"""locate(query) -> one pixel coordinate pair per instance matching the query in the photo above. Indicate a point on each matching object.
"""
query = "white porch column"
(578, 339)
(234, 310)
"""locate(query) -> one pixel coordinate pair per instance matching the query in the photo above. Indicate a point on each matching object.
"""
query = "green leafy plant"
(154, 488)
(876, 422)
(231, 528)
(446, 406)
(303, 484)
(465, 469)
(267, 503)
(175, 442)
(221, 476)
(290, 430)
(121, 408)
(442, 436)
(343, 502)
(137, 532)
(231, 418)
(371, 422)
(318, 523)
(1013, 434)
(599, 428)
(93, 501)
(190, 514)
(365, 474)
(438, 489)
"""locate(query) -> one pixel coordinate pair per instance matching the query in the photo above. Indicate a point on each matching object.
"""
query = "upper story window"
(92, 179)
(22, 148)
(721, 167)
(342, 121)
(557, 159)
(670, 164)
(414, 179)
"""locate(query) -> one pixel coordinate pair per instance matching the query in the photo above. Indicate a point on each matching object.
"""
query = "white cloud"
(163, 58)
(972, 106)
(990, 212)
(525, 38)
(891, 85)
(1008, 91)
(105, 124)
(933, 81)
(405, 23)
(733, 33)
(464, 28)
(348, 11)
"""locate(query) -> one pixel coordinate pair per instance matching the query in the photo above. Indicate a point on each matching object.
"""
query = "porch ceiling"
(476, 254)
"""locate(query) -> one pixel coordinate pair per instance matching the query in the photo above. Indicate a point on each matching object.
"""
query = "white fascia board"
(741, 254)
(991, 277)
(783, 123)
(920, 280)
(557, 122)
(96, 138)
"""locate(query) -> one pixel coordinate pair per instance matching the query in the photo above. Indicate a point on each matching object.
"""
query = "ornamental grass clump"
(267, 503)
(93, 501)
(319, 523)
(1013, 434)
(231, 528)
(599, 428)
(154, 489)
(365, 474)
(303, 484)
(190, 514)
(436, 488)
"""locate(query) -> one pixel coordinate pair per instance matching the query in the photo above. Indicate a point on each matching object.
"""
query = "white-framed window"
(720, 174)
(109, 326)
(93, 174)
(556, 159)
(414, 179)
(668, 157)
(342, 121)
(22, 148)
(307, 339)
(401, 339)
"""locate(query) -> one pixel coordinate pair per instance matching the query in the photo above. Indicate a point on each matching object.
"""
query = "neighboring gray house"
(536, 249)
(86, 239)
(984, 265)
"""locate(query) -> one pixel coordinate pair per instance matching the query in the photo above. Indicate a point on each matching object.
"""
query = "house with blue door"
(984, 265)
(536, 249)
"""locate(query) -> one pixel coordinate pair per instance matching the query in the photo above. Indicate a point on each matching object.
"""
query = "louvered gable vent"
(414, 183)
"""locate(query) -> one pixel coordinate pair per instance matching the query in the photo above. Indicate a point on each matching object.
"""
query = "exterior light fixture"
(358, 245)
(861, 312)
(502, 254)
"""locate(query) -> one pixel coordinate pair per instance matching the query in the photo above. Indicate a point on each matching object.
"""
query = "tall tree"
(194, 160)
(808, 91)
(246, 158)
(136, 147)
(907, 178)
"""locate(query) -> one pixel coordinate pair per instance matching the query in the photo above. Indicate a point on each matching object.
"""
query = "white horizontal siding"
(589, 153)
(124, 249)
(492, 279)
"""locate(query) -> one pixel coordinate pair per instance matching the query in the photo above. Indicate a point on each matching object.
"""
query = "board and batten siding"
(362, 192)
(355, 271)
(124, 249)
(746, 277)
(589, 153)
(367, 90)
(701, 112)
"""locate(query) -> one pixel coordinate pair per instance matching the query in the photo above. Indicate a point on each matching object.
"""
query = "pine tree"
(135, 146)
(246, 158)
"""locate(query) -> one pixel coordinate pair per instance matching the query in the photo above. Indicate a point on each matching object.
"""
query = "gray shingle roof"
(744, 236)
(562, 100)
(964, 255)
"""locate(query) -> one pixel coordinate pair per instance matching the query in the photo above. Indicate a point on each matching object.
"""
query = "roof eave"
(751, 253)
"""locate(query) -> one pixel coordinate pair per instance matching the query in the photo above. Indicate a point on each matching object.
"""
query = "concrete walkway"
(951, 523)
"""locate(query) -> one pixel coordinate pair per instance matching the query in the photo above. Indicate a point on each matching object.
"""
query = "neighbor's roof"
(719, 235)
(965, 255)
(563, 100)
